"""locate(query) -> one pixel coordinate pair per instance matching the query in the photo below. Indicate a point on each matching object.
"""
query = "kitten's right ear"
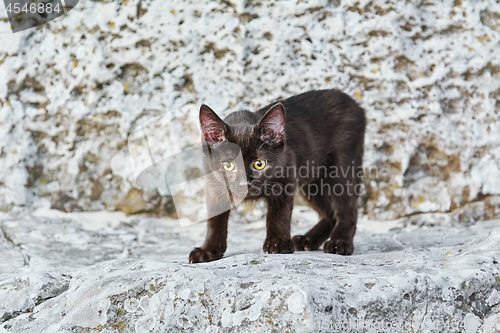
(212, 127)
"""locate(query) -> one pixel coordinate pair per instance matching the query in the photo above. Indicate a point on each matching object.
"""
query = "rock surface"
(73, 90)
(427, 72)
(106, 272)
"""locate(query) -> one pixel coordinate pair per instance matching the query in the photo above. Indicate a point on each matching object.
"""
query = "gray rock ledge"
(427, 280)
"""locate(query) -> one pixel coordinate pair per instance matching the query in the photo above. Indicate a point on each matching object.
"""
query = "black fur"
(303, 140)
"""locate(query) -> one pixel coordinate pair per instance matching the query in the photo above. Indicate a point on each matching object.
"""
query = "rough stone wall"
(427, 73)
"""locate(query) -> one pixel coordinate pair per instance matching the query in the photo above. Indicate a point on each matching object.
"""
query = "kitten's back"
(322, 122)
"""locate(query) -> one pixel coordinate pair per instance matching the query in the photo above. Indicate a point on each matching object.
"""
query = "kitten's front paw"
(200, 254)
(278, 245)
(338, 246)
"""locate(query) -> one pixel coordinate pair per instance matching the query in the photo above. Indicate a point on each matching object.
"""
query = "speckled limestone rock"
(108, 272)
(434, 290)
(72, 90)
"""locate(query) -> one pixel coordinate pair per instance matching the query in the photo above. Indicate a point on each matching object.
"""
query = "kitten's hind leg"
(322, 203)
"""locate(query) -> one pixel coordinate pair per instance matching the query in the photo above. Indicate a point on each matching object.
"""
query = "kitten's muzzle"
(248, 184)
(251, 188)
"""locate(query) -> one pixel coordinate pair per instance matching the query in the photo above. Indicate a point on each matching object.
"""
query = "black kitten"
(311, 144)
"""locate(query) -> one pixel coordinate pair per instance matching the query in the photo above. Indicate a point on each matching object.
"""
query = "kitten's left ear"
(272, 126)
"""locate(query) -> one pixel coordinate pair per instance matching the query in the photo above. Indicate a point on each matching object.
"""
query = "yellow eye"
(228, 166)
(259, 164)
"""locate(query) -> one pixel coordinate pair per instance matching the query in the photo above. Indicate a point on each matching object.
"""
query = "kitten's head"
(244, 152)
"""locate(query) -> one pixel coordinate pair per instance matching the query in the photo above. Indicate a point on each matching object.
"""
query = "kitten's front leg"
(279, 215)
(341, 237)
(216, 242)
